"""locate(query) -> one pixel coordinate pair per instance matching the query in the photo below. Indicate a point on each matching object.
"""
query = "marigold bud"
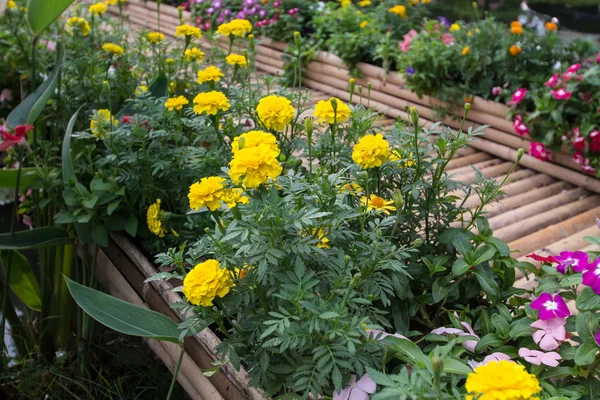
(398, 199)
(414, 115)
(438, 364)
(297, 38)
(309, 127)
(418, 243)
(520, 153)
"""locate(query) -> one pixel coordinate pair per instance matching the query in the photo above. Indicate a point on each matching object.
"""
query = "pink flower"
(573, 68)
(447, 38)
(408, 38)
(19, 132)
(553, 81)
(538, 150)
(519, 127)
(379, 335)
(494, 357)
(518, 96)
(496, 90)
(357, 390)
(549, 333)
(587, 169)
(5, 95)
(594, 137)
(467, 344)
(578, 260)
(27, 221)
(597, 337)
(561, 94)
(598, 58)
(549, 306)
(536, 357)
(591, 277)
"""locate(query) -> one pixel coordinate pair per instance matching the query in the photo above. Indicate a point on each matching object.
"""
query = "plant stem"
(175, 373)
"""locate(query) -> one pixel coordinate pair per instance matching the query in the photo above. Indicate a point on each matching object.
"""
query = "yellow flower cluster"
(236, 59)
(324, 111)
(364, 3)
(78, 24)
(376, 203)
(113, 2)
(11, 4)
(205, 282)
(113, 49)
(155, 225)
(454, 28)
(253, 166)
(466, 50)
(234, 196)
(345, 3)
(194, 54)
(236, 27)
(405, 160)
(155, 37)
(253, 139)
(275, 112)
(371, 151)
(501, 380)
(514, 50)
(210, 103)
(398, 10)
(208, 192)
(187, 31)
(209, 74)
(97, 9)
(323, 240)
(516, 28)
(176, 103)
(101, 121)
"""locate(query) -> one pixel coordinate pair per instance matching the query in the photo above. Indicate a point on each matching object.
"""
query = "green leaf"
(329, 315)
(487, 282)
(30, 109)
(500, 324)
(41, 13)
(34, 238)
(122, 316)
(592, 240)
(131, 225)
(8, 177)
(67, 160)
(460, 266)
(158, 88)
(100, 235)
(559, 372)
(439, 291)
(460, 238)
(586, 353)
(406, 349)
(454, 366)
(491, 339)
(588, 300)
(522, 327)
(22, 279)
(586, 325)
(482, 254)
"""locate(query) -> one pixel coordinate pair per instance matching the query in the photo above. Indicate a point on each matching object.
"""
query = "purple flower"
(591, 277)
(494, 357)
(357, 390)
(550, 306)
(377, 334)
(262, 13)
(467, 344)
(549, 333)
(597, 337)
(410, 70)
(576, 259)
(444, 21)
(537, 357)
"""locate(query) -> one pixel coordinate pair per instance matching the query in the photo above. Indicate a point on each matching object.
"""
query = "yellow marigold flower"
(97, 9)
(345, 3)
(515, 50)
(364, 24)
(233, 196)
(352, 188)
(516, 28)
(140, 90)
(253, 139)
(155, 225)
(466, 50)
(254, 165)
(323, 240)
(187, 31)
(413, 2)
(275, 112)
(467, 99)
(194, 54)
(210, 103)
(236, 27)
(101, 121)
(11, 4)
(501, 380)
(324, 111)
(176, 103)
(205, 282)
(454, 28)
(398, 10)
(110, 2)
(396, 155)
(78, 24)
(208, 192)
(371, 151)
(113, 49)
(366, 3)
(155, 37)
(425, 1)
(376, 203)
(236, 59)
(551, 26)
(209, 74)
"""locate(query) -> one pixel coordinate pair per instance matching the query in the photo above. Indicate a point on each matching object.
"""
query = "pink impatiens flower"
(518, 96)
(549, 333)
(519, 126)
(447, 38)
(357, 390)
(561, 94)
(494, 357)
(578, 260)
(553, 81)
(408, 38)
(496, 90)
(591, 277)
(537, 357)
(573, 68)
(538, 150)
(549, 306)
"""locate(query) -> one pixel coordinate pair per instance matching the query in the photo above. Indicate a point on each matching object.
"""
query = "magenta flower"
(573, 68)
(597, 337)
(549, 333)
(518, 96)
(519, 126)
(357, 390)
(447, 38)
(561, 94)
(598, 58)
(549, 306)
(591, 277)
(537, 357)
(553, 81)
(494, 357)
(496, 90)
(538, 150)
(578, 260)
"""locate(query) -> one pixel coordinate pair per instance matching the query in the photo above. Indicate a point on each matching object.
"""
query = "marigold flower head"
(405, 160)
(365, 3)
(194, 54)
(11, 4)
(176, 103)
(501, 380)
(254, 166)
(345, 3)
(371, 151)
(234, 196)
(187, 31)
(454, 27)
(515, 50)
(155, 225)
(376, 203)
(398, 10)
(551, 26)
(208, 74)
(324, 111)
(113, 49)
(236, 59)
(364, 24)
(101, 123)
(140, 90)
(155, 37)
(466, 50)
(205, 282)
(236, 27)
(110, 2)
(253, 139)
(210, 103)
(516, 28)
(78, 24)
(97, 9)
(208, 192)
(323, 240)
(275, 112)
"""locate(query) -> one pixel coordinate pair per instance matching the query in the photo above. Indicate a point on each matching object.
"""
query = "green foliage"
(41, 13)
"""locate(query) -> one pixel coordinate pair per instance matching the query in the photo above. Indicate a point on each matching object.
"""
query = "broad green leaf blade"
(31, 108)
(453, 366)
(34, 238)
(67, 161)
(22, 279)
(588, 300)
(407, 349)
(41, 13)
(8, 177)
(158, 88)
(122, 316)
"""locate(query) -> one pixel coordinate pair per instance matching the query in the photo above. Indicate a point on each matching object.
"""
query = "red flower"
(538, 150)
(536, 257)
(19, 132)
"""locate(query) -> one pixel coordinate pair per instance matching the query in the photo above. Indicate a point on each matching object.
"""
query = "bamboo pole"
(458, 162)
